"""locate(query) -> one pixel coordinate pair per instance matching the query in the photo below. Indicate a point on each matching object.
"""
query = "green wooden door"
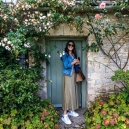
(54, 70)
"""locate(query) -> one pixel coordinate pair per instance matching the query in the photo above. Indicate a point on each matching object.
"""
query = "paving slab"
(77, 122)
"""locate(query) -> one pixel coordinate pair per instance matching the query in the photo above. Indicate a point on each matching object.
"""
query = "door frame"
(84, 62)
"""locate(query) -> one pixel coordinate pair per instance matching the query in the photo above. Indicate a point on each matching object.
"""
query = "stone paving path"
(77, 122)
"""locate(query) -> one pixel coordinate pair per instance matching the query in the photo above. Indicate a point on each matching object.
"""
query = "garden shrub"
(112, 112)
(20, 106)
(123, 77)
(4, 58)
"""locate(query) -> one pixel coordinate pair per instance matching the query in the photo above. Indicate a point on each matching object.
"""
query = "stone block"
(99, 81)
(91, 70)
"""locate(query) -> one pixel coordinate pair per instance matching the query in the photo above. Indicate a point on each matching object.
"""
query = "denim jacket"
(67, 66)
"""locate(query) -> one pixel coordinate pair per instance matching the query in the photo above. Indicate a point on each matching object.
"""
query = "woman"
(70, 92)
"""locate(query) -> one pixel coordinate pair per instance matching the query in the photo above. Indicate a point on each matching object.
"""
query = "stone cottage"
(95, 65)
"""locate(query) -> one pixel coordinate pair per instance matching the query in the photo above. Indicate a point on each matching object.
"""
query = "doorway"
(56, 45)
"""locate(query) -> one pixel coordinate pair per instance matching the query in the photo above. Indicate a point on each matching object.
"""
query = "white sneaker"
(73, 113)
(66, 119)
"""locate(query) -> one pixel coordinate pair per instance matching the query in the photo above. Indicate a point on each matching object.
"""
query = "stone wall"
(100, 68)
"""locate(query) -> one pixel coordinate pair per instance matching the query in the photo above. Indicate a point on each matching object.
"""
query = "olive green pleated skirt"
(70, 93)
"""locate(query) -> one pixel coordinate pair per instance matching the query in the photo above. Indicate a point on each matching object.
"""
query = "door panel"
(54, 70)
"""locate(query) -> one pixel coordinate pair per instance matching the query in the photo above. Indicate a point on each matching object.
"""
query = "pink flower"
(97, 16)
(102, 5)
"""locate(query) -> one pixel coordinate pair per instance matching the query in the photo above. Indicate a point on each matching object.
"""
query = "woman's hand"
(76, 61)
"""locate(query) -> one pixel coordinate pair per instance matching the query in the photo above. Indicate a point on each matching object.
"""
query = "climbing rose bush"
(98, 16)
(102, 5)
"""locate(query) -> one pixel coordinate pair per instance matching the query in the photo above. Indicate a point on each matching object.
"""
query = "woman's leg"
(65, 112)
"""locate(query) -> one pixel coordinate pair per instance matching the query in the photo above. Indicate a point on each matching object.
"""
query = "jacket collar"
(68, 55)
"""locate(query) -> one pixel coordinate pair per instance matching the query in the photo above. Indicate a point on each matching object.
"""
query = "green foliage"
(109, 113)
(79, 23)
(123, 77)
(20, 105)
(18, 87)
(93, 47)
(18, 42)
(4, 60)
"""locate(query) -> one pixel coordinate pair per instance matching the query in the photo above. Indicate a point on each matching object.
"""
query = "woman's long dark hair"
(74, 49)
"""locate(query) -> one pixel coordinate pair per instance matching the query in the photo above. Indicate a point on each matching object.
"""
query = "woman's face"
(70, 46)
